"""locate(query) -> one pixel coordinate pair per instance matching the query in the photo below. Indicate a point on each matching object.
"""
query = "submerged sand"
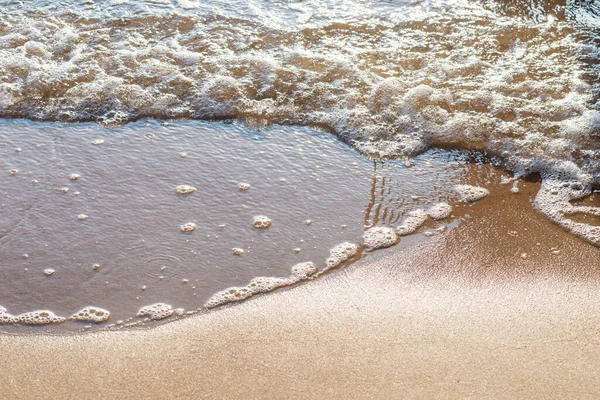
(460, 315)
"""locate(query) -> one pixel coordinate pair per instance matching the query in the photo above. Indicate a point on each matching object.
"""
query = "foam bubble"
(97, 142)
(39, 317)
(188, 227)
(82, 217)
(91, 314)
(414, 220)
(185, 189)
(340, 253)
(156, 311)
(304, 270)
(74, 177)
(470, 194)
(244, 186)
(262, 222)
(299, 272)
(379, 237)
(440, 211)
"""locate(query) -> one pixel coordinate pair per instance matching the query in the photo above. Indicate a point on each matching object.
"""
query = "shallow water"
(130, 252)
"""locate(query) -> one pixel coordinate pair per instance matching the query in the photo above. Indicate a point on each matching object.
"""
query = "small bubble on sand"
(26, 256)
(49, 271)
(34, 182)
(515, 187)
(243, 186)
(185, 189)
(262, 222)
(222, 226)
(82, 217)
(297, 250)
(74, 177)
(13, 172)
(282, 180)
(188, 227)
(308, 222)
(237, 251)
(64, 189)
(97, 142)
(96, 267)
(183, 155)
(524, 255)
(18, 149)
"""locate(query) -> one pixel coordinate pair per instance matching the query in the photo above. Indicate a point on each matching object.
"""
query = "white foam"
(414, 220)
(440, 211)
(156, 311)
(91, 314)
(553, 200)
(185, 189)
(470, 194)
(39, 317)
(262, 222)
(340, 253)
(379, 237)
(299, 272)
(188, 227)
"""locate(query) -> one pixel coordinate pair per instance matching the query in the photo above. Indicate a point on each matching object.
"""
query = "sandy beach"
(459, 315)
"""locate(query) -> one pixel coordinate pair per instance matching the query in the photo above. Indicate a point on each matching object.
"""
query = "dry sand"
(458, 315)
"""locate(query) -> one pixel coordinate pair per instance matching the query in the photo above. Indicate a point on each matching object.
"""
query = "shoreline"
(438, 319)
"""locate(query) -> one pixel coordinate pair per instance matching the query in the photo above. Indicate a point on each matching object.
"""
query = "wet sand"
(460, 315)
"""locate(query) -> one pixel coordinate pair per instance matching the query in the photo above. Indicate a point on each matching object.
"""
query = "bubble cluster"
(470, 194)
(440, 211)
(379, 237)
(185, 189)
(156, 311)
(39, 317)
(340, 253)
(91, 314)
(414, 220)
(188, 227)
(262, 222)
(299, 272)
